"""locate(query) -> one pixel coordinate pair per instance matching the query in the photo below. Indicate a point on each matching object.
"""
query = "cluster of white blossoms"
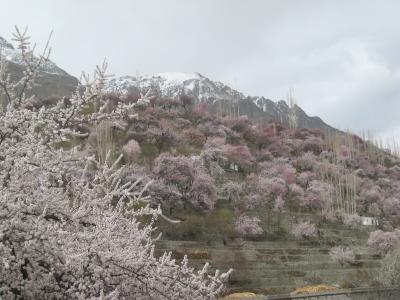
(69, 228)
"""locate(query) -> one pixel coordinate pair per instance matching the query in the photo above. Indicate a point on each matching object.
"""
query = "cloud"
(340, 57)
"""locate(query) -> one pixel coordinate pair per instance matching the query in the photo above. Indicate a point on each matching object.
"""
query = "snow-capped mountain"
(216, 94)
(173, 84)
(52, 80)
(14, 56)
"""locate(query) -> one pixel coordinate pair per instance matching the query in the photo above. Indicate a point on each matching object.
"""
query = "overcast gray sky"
(342, 58)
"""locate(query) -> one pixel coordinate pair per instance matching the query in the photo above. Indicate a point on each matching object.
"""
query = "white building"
(369, 221)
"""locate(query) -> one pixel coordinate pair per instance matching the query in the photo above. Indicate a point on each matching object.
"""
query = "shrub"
(296, 190)
(342, 255)
(305, 178)
(131, 150)
(343, 152)
(389, 273)
(313, 144)
(194, 137)
(391, 207)
(232, 191)
(371, 195)
(279, 203)
(248, 226)
(239, 124)
(214, 161)
(351, 220)
(304, 231)
(162, 138)
(306, 162)
(260, 137)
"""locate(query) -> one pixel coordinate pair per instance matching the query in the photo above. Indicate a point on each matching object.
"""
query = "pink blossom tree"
(175, 170)
(214, 161)
(248, 226)
(131, 150)
(342, 255)
(203, 192)
(232, 191)
(319, 195)
(279, 203)
(380, 242)
(240, 155)
(240, 124)
(391, 207)
(164, 195)
(280, 168)
(194, 136)
(296, 190)
(304, 178)
(306, 162)
(304, 231)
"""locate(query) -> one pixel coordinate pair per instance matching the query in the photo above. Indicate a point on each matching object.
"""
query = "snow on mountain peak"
(173, 84)
(178, 77)
(11, 54)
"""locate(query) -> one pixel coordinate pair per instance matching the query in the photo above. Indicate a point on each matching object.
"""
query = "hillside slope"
(269, 200)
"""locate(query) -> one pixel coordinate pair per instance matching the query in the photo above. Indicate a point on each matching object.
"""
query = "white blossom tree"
(69, 228)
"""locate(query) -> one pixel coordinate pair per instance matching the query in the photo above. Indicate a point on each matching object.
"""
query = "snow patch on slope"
(173, 84)
(178, 77)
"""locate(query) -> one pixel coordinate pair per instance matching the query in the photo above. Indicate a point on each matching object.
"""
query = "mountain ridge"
(52, 81)
(218, 96)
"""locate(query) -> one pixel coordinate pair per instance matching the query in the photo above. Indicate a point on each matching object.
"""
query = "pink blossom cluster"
(304, 231)
(381, 242)
(342, 255)
(248, 226)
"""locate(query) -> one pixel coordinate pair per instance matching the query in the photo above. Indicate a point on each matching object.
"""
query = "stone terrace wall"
(283, 264)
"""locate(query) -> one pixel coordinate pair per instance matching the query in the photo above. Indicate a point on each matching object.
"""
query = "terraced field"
(280, 266)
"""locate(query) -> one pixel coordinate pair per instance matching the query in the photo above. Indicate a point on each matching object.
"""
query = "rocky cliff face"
(51, 81)
(218, 96)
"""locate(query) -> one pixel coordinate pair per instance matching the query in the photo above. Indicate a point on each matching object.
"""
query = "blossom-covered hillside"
(201, 164)
(88, 182)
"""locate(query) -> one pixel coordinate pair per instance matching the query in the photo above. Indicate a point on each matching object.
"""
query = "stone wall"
(278, 264)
